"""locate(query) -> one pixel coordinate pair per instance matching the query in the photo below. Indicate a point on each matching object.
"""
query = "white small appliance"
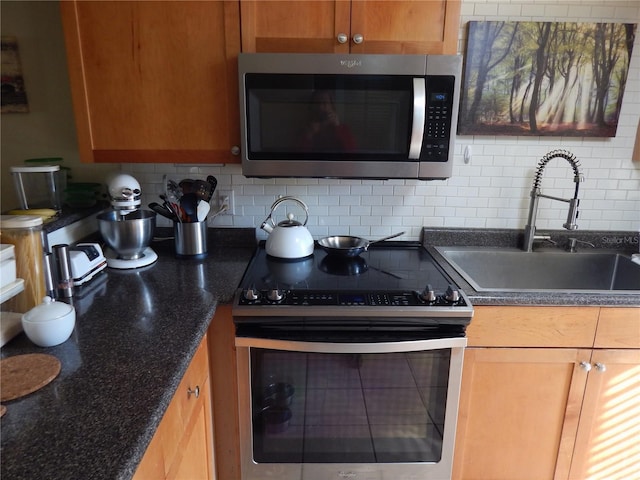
(127, 229)
(87, 260)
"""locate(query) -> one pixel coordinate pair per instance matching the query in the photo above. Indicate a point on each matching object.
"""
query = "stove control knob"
(275, 295)
(452, 295)
(251, 294)
(428, 294)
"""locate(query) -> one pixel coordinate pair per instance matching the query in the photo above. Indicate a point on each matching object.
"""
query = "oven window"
(348, 408)
(328, 116)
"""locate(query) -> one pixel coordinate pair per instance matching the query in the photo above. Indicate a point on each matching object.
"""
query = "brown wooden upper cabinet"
(157, 81)
(357, 26)
(154, 81)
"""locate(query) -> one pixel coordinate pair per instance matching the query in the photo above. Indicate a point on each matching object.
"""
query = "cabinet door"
(404, 27)
(294, 26)
(154, 81)
(519, 411)
(195, 461)
(182, 447)
(400, 27)
(608, 440)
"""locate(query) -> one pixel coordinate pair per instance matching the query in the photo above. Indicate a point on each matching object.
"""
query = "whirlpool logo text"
(347, 474)
(351, 63)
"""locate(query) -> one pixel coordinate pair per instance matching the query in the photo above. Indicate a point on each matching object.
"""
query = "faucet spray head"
(572, 216)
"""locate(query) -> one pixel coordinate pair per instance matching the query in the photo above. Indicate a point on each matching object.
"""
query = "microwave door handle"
(419, 112)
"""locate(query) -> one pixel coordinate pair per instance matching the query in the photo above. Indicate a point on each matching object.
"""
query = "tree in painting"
(544, 78)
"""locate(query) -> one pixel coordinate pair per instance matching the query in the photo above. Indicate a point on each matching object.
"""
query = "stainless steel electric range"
(349, 367)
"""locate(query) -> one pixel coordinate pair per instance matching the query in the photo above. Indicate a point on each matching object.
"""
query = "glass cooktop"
(395, 266)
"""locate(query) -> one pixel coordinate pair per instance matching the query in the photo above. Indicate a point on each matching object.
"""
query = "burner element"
(335, 265)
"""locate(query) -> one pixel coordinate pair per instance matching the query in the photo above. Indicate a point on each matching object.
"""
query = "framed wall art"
(14, 96)
(544, 78)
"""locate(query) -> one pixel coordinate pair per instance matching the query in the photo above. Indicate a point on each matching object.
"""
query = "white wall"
(492, 190)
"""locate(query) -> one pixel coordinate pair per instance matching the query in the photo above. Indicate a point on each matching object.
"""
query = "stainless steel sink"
(513, 270)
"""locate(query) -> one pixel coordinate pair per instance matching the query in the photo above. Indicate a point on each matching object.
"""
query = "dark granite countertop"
(136, 332)
(623, 242)
(71, 215)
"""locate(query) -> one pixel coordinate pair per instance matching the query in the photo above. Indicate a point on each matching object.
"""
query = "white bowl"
(49, 323)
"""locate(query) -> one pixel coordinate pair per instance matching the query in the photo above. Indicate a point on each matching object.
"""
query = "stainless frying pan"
(348, 246)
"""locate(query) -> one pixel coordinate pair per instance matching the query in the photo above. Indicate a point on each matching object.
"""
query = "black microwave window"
(328, 117)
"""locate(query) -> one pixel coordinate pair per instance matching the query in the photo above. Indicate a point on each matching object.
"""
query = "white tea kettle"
(289, 238)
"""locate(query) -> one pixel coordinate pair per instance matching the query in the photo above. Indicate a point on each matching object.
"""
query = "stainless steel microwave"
(348, 116)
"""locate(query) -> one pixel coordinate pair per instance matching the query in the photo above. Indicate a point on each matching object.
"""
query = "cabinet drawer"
(502, 326)
(618, 328)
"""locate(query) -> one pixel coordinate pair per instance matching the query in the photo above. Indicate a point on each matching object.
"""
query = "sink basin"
(513, 270)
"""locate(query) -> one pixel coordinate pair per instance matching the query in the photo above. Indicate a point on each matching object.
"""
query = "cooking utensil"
(213, 181)
(189, 203)
(164, 211)
(172, 191)
(289, 238)
(348, 246)
(202, 189)
(186, 185)
(172, 207)
(203, 210)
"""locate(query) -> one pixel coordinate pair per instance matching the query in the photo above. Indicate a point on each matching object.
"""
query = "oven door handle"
(371, 347)
(419, 113)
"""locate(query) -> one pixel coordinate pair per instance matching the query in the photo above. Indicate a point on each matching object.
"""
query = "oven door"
(374, 410)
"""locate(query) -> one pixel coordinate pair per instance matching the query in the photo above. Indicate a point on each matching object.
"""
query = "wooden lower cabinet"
(224, 383)
(538, 401)
(513, 407)
(182, 447)
(607, 444)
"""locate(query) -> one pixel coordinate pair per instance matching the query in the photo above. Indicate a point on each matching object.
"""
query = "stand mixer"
(126, 229)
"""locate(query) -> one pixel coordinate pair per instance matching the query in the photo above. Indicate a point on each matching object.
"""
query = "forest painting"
(544, 78)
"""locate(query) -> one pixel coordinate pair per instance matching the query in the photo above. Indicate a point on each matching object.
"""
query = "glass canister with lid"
(39, 186)
(25, 233)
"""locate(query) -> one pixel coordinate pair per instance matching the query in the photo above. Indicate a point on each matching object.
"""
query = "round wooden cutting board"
(21, 375)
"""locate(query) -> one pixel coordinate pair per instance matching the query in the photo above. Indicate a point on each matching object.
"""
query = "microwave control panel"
(439, 104)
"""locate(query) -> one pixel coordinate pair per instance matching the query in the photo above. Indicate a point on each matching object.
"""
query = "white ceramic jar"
(49, 323)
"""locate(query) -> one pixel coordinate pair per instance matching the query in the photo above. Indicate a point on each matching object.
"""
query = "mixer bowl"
(127, 235)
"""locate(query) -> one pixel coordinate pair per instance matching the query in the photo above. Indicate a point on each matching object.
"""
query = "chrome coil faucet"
(530, 229)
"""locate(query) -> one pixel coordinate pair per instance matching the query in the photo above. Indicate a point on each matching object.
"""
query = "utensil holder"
(191, 239)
